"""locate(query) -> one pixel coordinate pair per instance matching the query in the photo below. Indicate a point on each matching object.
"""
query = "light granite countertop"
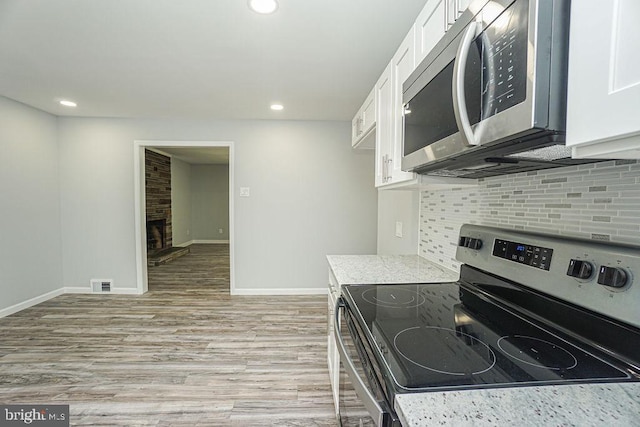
(616, 404)
(389, 269)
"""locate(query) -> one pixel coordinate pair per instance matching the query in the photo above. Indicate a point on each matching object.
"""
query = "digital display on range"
(535, 256)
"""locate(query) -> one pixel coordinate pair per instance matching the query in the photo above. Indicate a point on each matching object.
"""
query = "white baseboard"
(30, 302)
(279, 291)
(87, 290)
(184, 245)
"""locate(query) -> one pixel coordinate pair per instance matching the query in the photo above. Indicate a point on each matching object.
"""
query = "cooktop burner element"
(392, 297)
(537, 352)
(449, 355)
(450, 336)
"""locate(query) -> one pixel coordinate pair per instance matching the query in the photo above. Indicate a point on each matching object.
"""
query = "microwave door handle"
(368, 400)
(459, 102)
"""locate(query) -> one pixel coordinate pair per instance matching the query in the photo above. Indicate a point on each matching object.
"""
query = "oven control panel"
(535, 256)
(601, 276)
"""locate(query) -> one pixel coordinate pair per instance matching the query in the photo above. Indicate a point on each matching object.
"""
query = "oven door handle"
(457, 89)
(368, 400)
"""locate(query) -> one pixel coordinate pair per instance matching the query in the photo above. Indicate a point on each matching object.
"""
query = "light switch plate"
(244, 192)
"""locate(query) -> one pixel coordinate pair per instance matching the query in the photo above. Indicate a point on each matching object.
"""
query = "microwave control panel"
(504, 60)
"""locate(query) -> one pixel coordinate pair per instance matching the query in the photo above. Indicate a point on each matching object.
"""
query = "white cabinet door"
(603, 105)
(369, 112)
(455, 8)
(363, 124)
(384, 125)
(402, 65)
(429, 28)
(356, 125)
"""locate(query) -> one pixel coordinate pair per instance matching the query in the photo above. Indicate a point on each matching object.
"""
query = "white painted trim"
(85, 290)
(184, 245)
(140, 220)
(281, 291)
(232, 228)
(209, 242)
(30, 302)
(139, 195)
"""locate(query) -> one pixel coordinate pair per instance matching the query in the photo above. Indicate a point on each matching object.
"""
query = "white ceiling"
(198, 59)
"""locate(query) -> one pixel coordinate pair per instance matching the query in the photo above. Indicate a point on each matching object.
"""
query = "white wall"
(30, 253)
(398, 206)
(210, 202)
(311, 195)
(181, 202)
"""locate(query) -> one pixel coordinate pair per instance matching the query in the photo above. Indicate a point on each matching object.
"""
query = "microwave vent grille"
(550, 153)
(447, 173)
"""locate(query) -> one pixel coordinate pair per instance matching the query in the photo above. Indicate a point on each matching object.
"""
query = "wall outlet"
(398, 228)
(188, 232)
(244, 192)
(220, 231)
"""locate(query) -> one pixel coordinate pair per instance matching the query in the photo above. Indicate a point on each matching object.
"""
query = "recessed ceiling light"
(277, 107)
(68, 103)
(263, 6)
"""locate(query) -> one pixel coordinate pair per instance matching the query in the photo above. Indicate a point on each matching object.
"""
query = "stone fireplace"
(158, 201)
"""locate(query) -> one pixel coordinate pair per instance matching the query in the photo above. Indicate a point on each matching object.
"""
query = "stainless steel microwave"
(490, 98)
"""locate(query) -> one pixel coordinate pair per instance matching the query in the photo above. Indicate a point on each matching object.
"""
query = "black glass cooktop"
(449, 336)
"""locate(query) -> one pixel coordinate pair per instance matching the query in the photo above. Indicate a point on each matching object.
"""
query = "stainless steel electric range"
(528, 310)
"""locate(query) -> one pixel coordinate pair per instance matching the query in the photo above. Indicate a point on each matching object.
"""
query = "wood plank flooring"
(184, 354)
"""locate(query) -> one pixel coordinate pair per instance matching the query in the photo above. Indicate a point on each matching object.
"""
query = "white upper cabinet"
(430, 26)
(603, 106)
(363, 124)
(389, 117)
(455, 8)
(384, 125)
(402, 65)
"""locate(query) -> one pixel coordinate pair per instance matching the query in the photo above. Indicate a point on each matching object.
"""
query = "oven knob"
(474, 244)
(580, 269)
(612, 276)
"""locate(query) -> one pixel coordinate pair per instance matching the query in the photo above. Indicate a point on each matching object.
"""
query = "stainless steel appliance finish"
(362, 400)
(490, 99)
(529, 309)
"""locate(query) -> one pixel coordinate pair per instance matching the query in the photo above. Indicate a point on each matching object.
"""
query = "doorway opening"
(208, 159)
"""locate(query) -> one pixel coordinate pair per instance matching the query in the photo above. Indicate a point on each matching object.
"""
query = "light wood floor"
(186, 353)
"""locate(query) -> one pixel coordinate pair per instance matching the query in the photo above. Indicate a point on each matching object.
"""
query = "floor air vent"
(101, 285)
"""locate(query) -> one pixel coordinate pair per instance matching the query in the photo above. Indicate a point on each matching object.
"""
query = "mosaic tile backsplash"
(599, 201)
